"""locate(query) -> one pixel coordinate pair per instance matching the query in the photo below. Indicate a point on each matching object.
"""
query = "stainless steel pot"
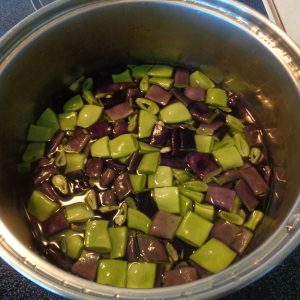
(231, 43)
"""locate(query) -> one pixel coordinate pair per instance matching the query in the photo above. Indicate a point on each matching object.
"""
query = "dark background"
(281, 283)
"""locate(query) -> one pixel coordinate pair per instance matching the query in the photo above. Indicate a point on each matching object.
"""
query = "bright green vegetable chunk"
(228, 158)
(194, 229)
(118, 237)
(146, 122)
(96, 236)
(181, 175)
(78, 212)
(161, 71)
(234, 218)
(38, 133)
(146, 148)
(206, 211)
(213, 256)
(137, 220)
(235, 123)
(132, 121)
(33, 152)
(216, 97)
(100, 148)
(196, 185)
(112, 272)
(174, 113)
(75, 161)
(165, 83)
(123, 145)
(48, 119)
(144, 84)
(141, 275)
(73, 104)
(40, 206)
(186, 205)
(199, 79)
(167, 199)
(122, 77)
(138, 182)
(204, 143)
(254, 219)
(67, 121)
(88, 115)
(197, 197)
(72, 244)
(225, 142)
(149, 162)
(147, 105)
(140, 71)
(241, 145)
(89, 97)
(256, 155)
(162, 178)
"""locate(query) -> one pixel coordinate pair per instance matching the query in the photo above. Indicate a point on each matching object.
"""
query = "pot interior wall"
(148, 32)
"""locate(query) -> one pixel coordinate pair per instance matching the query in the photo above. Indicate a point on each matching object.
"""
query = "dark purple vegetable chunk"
(132, 250)
(55, 224)
(253, 135)
(201, 113)
(160, 269)
(100, 129)
(173, 162)
(180, 96)
(108, 198)
(120, 127)
(94, 167)
(115, 165)
(48, 190)
(195, 94)
(119, 111)
(107, 87)
(186, 137)
(202, 273)
(78, 181)
(238, 108)
(107, 177)
(266, 172)
(158, 95)
(175, 141)
(76, 143)
(246, 195)
(57, 257)
(159, 136)
(145, 203)
(134, 162)
(228, 176)
(133, 93)
(220, 197)
(182, 77)
(44, 173)
(55, 142)
(180, 276)
(123, 186)
(242, 240)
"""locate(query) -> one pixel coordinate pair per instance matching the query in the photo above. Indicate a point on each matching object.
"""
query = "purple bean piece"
(107, 198)
(113, 164)
(133, 93)
(55, 224)
(172, 161)
(114, 99)
(76, 143)
(145, 203)
(220, 197)
(238, 108)
(186, 138)
(43, 162)
(152, 249)
(266, 172)
(119, 111)
(44, 173)
(180, 276)
(107, 177)
(179, 95)
(246, 195)
(120, 127)
(202, 273)
(158, 95)
(159, 136)
(228, 176)
(48, 190)
(134, 162)
(182, 77)
(175, 141)
(255, 180)
(78, 181)
(253, 135)
(55, 142)
(195, 94)
(57, 257)
(107, 87)
(94, 167)
(123, 186)
(201, 113)
(132, 251)
(242, 240)
(164, 225)
(160, 269)
(86, 266)
(86, 150)
(225, 231)
(100, 129)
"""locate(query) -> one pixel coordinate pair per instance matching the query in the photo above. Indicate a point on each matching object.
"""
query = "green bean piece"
(130, 202)
(233, 218)
(122, 77)
(88, 115)
(91, 199)
(38, 133)
(174, 113)
(196, 185)
(118, 237)
(73, 104)
(199, 79)
(48, 119)
(67, 121)
(237, 204)
(213, 256)
(33, 152)
(72, 244)
(75, 86)
(141, 275)
(24, 168)
(228, 158)
(123, 145)
(75, 161)
(146, 148)
(206, 211)
(204, 143)
(112, 272)
(40, 206)
(149, 163)
(227, 141)
(165, 83)
(162, 178)
(254, 219)
(167, 199)
(147, 105)
(161, 71)
(235, 123)
(216, 97)
(124, 160)
(78, 212)
(138, 182)
(193, 195)
(88, 96)
(132, 121)
(121, 216)
(144, 84)
(88, 84)
(106, 209)
(100, 148)
(96, 236)
(172, 253)
(241, 145)
(140, 70)
(60, 183)
(137, 220)
(146, 122)
(60, 159)
(194, 229)
(186, 205)
(256, 155)
(181, 175)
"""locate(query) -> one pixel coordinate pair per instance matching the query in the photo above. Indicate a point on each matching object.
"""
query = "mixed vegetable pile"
(149, 177)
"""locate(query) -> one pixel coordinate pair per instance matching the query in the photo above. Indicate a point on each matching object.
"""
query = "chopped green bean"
(48, 119)
(167, 199)
(146, 148)
(89, 97)
(174, 113)
(100, 148)
(141, 275)
(254, 219)
(23, 168)
(181, 175)
(161, 71)
(67, 121)
(204, 143)
(193, 195)
(138, 182)
(122, 77)
(147, 105)
(123, 145)
(235, 123)
(75, 161)
(162, 178)
(199, 79)
(196, 185)
(172, 252)
(165, 83)
(140, 71)
(88, 84)
(60, 183)
(256, 155)
(227, 141)
(33, 152)
(137, 220)
(88, 115)
(233, 218)
(118, 237)
(149, 163)
(144, 84)
(73, 104)
(91, 200)
(186, 205)
(76, 85)
(216, 97)
(38, 133)
(241, 145)
(78, 212)
(146, 122)
(72, 244)
(228, 158)
(206, 211)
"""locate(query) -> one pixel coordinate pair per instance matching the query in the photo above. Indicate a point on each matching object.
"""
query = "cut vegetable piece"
(57, 257)
(213, 256)
(118, 237)
(60, 183)
(141, 275)
(140, 70)
(162, 178)
(122, 77)
(228, 158)
(75, 86)
(194, 229)
(179, 276)
(108, 176)
(112, 272)
(158, 95)
(145, 203)
(149, 162)
(67, 121)
(200, 80)
(100, 129)
(137, 220)
(78, 212)
(97, 237)
(33, 152)
(73, 104)
(228, 176)
(119, 111)
(175, 113)
(205, 210)
(146, 122)
(242, 240)
(234, 123)
(225, 232)
(253, 135)
(134, 161)
(48, 119)
(186, 205)
(216, 97)
(167, 199)
(76, 143)
(161, 71)
(146, 148)
(181, 175)
(246, 194)
(181, 78)
(75, 161)
(254, 219)
(38, 133)
(220, 197)
(193, 195)
(241, 145)
(196, 185)
(165, 83)
(122, 186)
(144, 84)
(204, 143)
(160, 135)
(147, 105)
(100, 148)
(227, 141)
(138, 182)
(88, 115)
(88, 84)
(237, 218)
(40, 206)
(94, 167)
(72, 244)
(179, 95)
(123, 145)
(195, 94)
